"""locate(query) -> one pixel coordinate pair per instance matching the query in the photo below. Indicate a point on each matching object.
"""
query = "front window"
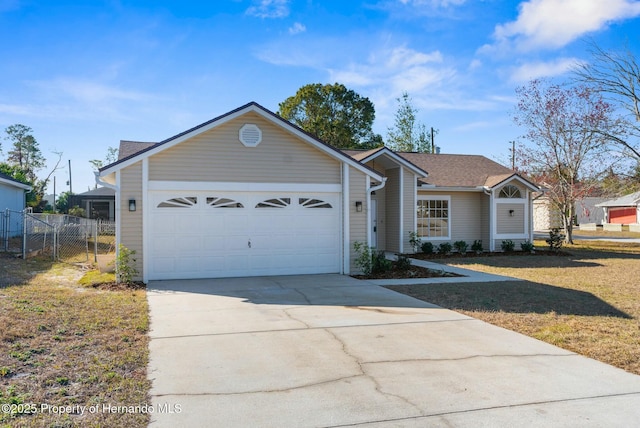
(433, 218)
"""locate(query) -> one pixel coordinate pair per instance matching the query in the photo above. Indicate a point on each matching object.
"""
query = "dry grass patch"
(62, 344)
(588, 302)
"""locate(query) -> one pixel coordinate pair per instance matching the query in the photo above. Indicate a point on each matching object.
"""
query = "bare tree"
(616, 75)
(565, 131)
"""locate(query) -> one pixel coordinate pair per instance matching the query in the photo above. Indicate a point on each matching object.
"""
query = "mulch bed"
(412, 272)
(436, 256)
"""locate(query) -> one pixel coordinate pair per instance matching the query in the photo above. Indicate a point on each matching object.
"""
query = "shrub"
(403, 263)
(460, 246)
(508, 246)
(427, 247)
(125, 265)
(380, 263)
(415, 241)
(444, 248)
(477, 246)
(527, 246)
(556, 239)
(363, 260)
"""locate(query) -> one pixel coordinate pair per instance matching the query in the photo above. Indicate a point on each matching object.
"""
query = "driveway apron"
(333, 351)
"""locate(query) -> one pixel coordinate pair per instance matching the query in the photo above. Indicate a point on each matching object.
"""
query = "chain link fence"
(63, 237)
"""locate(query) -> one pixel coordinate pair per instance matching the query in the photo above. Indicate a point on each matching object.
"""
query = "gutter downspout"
(371, 189)
(492, 244)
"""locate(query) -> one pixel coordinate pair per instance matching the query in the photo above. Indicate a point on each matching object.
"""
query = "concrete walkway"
(332, 351)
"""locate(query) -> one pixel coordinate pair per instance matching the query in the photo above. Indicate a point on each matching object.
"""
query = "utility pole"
(70, 187)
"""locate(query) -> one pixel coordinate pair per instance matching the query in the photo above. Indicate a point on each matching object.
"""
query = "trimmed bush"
(527, 246)
(461, 246)
(508, 246)
(444, 248)
(427, 247)
(477, 246)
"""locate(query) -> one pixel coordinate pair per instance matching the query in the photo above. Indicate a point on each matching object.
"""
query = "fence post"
(24, 235)
(54, 251)
(95, 243)
(5, 229)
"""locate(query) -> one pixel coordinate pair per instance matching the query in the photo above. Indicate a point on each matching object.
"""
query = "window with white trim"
(510, 192)
(433, 215)
(182, 202)
(275, 203)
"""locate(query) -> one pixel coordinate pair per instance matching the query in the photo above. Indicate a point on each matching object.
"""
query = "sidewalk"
(468, 275)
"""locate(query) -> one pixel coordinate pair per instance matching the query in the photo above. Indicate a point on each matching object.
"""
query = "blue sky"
(86, 74)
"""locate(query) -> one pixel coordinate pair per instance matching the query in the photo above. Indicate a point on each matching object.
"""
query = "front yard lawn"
(65, 347)
(587, 302)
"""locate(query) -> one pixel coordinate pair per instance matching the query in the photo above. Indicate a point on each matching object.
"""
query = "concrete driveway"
(332, 351)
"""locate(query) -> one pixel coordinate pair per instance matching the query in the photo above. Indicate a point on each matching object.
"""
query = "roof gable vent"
(250, 135)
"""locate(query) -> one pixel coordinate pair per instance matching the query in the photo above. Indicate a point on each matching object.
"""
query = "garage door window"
(185, 202)
(275, 203)
(223, 203)
(313, 203)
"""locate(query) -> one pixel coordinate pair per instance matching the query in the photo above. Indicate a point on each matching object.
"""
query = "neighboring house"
(12, 193)
(13, 198)
(99, 203)
(624, 210)
(248, 193)
(545, 217)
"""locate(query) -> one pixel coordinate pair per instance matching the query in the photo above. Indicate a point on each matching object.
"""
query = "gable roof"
(99, 191)
(129, 148)
(150, 149)
(369, 155)
(625, 201)
(446, 170)
(6, 179)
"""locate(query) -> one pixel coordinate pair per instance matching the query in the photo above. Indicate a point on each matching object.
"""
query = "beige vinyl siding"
(468, 215)
(392, 210)
(409, 210)
(218, 155)
(357, 220)
(507, 224)
(131, 222)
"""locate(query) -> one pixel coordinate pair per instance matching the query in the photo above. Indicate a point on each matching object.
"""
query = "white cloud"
(401, 68)
(269, 9)
(297, 28)
(537, 70)
(87, 91)
(551, 24)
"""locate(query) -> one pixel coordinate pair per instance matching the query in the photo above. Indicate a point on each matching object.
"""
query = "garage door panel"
(202, 239)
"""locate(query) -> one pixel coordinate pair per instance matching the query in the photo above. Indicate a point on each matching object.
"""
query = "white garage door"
(224, 234)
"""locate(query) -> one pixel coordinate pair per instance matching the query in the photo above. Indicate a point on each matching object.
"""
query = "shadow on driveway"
(513, 297)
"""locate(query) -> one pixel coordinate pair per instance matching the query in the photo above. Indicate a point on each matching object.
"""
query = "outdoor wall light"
(510, 213)
(132, 204)
(359, 206)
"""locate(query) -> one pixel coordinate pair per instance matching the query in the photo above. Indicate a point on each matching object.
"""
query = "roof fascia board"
(431, 188)
(15, 184)
(525, 182)
(252, 107)
(397, 158)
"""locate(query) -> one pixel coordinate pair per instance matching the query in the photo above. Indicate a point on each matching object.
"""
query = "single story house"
(12, 193)
(248, 193)
(546, 217)
(12, 197)
(98, 203)
(623, 210)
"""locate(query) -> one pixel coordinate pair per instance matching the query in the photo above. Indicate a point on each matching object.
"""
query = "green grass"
(64, 344)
